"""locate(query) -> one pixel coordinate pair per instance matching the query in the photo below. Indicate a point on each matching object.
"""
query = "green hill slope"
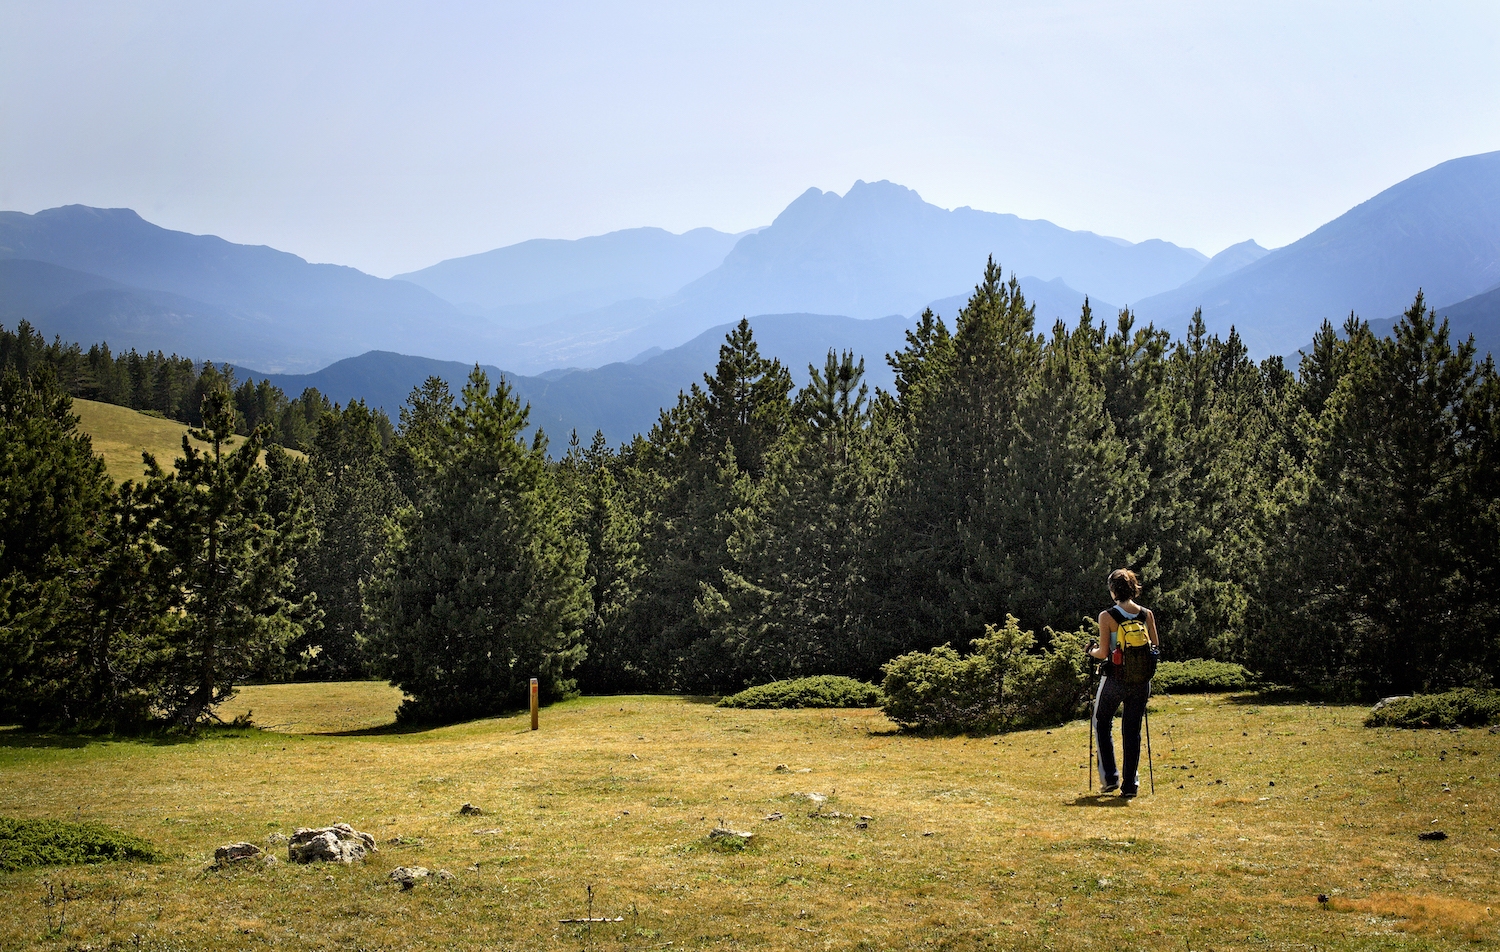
(121, 434)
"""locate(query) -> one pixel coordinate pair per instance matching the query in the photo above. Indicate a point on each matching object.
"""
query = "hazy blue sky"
(389, 136)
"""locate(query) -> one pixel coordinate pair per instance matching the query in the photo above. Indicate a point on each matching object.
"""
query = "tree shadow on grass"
(381, 730)
(398, 727)
(16, 738)
(1276, 696)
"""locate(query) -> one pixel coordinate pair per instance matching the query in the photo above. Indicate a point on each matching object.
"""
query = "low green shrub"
(27, 843)
(1464, 707)
(824, 690)
(1199, 675)
(1004, 683)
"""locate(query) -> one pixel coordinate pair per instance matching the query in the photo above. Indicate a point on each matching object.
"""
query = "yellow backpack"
(1138, 663)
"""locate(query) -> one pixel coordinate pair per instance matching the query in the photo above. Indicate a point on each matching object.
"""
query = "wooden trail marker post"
(533, 704)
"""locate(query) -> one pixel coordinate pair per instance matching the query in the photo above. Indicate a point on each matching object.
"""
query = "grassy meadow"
(971, 843)
(120, 434)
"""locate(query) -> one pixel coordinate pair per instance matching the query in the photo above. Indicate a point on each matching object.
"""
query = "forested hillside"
(1329, 527)
(171, 387)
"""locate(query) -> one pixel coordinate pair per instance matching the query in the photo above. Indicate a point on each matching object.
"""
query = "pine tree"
(790, 603)
(483, 587)
(52, 525)
(603, 517)
(1217, 449)
(698, 479)
(1052, 516)
(747, 404)
(959, 395)
(354, 496)
(1383, 580)
(229, 561)
(421, 435)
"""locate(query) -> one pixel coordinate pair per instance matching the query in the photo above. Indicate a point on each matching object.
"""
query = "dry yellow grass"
(972, 843)
(120, 434)
(315, 708)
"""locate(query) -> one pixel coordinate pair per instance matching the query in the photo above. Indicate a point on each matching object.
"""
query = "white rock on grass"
(340, 843)
(720, 832)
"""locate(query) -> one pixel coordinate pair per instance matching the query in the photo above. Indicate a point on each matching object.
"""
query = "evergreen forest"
(1330, 526)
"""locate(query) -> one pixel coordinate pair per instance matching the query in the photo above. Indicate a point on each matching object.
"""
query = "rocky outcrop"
(339, 843)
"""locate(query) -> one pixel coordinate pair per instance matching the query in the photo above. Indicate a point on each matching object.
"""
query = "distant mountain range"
(544, 279)
(647, 308)
(139, 285)
(876, 251)
(620, 399)
(1438, 231)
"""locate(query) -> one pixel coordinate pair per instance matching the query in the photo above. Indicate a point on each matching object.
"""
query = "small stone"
(1432, 835)
(469, 809)
(269, 860)
(408, 876)
(720, 832)
(490, 832)
(235, 852)
(444, 876)
(1322, 898)
(783, 768)
(276, 839)
(774, 817)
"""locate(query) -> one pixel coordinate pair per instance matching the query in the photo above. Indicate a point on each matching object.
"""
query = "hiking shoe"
(1109, 788)
(1128, 794)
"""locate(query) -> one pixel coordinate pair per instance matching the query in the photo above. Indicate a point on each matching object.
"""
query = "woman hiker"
(1126, 625)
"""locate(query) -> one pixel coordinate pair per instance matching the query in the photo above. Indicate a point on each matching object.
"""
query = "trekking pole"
(1092, 695)
(1150, 762)
(1091, 748)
